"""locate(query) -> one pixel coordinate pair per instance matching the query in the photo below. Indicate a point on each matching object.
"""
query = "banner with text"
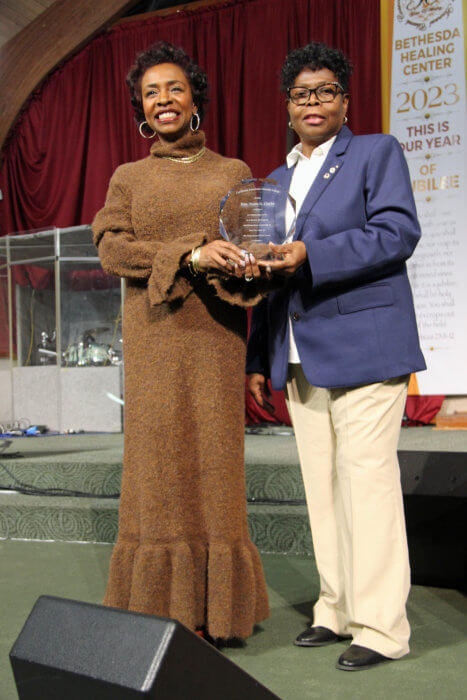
(428, 117)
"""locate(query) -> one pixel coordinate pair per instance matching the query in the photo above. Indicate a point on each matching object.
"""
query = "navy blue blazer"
(351, 304)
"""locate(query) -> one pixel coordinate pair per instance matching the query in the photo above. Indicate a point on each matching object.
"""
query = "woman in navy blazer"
(340, 335)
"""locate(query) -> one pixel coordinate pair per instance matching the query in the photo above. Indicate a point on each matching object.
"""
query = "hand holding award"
(255, 213)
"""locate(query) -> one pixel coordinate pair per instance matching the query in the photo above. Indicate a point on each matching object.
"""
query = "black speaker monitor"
(69, 650)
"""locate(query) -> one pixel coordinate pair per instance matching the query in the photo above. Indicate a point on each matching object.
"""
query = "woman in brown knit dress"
(183, 548)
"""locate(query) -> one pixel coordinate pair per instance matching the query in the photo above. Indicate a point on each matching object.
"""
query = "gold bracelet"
(195, 260)
(194, 265)
(190, 262)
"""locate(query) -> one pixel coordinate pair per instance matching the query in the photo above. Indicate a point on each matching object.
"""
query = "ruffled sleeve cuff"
(168, 281)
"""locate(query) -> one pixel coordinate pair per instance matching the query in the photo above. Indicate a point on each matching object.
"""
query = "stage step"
(93, 465)
(432, 464)
(280, 529)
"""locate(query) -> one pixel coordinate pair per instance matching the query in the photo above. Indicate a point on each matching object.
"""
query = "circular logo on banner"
(423, 13)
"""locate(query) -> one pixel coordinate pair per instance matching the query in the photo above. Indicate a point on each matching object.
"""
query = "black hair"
(163, 52)
(316, 56)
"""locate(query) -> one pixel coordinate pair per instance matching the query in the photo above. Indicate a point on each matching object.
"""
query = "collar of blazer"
(325, 176)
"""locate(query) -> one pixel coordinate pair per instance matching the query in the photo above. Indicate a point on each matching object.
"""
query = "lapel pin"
(332, 170)
(326, 175)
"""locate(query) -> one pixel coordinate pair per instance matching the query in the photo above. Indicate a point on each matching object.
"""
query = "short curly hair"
(316, 56)
(163, 52)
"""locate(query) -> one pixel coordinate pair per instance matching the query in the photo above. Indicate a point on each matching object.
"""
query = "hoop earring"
(197, 123)
(345, 119)
(141, 131)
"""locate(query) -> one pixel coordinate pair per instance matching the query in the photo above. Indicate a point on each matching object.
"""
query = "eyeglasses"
(323, 93)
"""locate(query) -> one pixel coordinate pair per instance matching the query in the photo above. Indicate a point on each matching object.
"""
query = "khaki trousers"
(347, 443)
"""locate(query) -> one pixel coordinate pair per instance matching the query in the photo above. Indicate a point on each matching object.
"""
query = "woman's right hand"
(223, 256)
(258, 388)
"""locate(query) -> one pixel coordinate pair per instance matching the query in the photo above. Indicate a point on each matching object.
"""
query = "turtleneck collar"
(187, 145)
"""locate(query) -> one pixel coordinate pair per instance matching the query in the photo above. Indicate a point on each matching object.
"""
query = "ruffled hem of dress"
(215, 586)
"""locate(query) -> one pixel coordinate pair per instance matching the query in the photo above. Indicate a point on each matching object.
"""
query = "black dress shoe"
(317, 637)
(357, 658)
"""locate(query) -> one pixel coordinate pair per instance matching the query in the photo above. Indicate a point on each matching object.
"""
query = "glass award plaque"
(256, 212)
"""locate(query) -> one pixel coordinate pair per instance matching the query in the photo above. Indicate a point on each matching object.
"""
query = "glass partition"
(60, 312)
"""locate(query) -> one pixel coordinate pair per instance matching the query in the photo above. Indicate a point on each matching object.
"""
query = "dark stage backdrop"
(78, 126)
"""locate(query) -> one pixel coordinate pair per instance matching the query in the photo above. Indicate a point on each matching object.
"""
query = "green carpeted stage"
(61, 544)
(434, 670)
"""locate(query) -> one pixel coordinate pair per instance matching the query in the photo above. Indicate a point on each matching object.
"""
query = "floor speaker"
(69, 650)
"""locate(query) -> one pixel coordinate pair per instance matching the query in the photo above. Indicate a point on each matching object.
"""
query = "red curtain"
(78, 126)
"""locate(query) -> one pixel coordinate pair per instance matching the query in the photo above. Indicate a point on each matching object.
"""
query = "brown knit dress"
(183, 548)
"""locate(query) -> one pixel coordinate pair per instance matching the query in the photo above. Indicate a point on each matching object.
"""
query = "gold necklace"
(187, 159)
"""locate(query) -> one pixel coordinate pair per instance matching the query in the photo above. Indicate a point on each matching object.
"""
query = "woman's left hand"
(292, 256)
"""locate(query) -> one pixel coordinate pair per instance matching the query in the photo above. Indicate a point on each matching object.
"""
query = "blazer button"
(296, 316)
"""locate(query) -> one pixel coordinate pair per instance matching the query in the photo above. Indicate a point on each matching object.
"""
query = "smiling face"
(167, 100)
(315, 122)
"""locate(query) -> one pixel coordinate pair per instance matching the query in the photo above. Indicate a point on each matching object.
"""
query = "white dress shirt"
(306, 170)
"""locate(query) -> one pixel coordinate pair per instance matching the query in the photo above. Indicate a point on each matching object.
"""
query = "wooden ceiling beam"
(57, 33)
